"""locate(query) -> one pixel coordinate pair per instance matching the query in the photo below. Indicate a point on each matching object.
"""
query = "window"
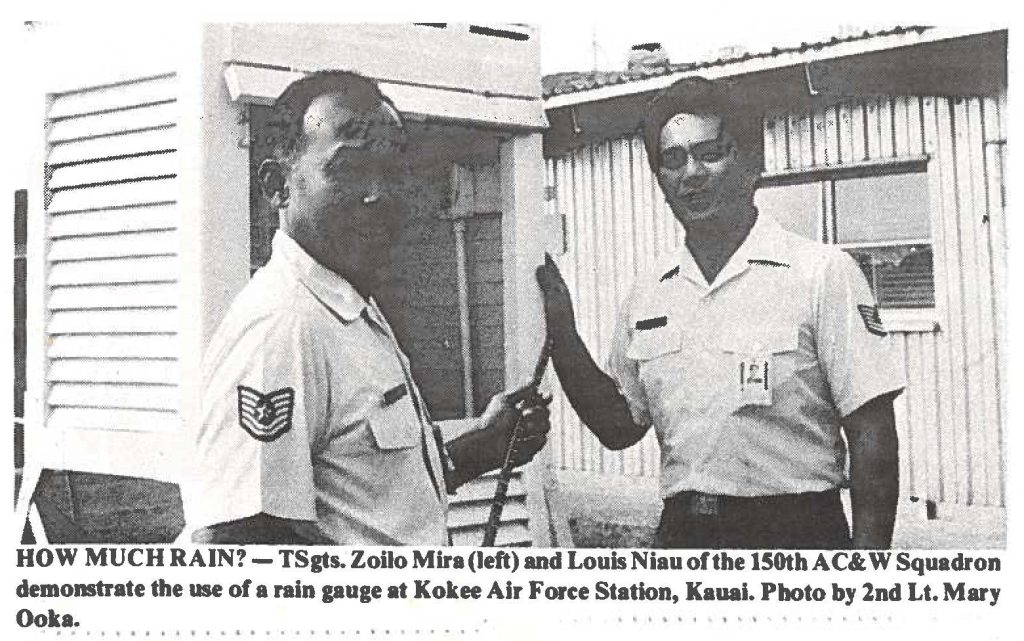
(881, 220)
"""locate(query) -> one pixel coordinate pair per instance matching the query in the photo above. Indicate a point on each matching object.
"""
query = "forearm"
(467, 457)
(260, 529)
(874, 479)
(593, 394)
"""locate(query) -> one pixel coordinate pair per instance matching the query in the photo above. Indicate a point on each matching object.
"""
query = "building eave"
(765, 63)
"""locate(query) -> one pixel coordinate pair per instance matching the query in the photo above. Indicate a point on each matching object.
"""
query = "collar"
(330, 288)
(766, 244)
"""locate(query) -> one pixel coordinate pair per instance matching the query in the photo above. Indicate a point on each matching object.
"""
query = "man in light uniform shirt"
(311, 428)
(751, 351)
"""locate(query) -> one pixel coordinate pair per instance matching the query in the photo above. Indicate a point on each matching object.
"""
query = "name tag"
(394, 394)
(651, 323)
(755, 379)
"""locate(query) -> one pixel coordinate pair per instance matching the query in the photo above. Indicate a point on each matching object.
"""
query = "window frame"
(898, 319)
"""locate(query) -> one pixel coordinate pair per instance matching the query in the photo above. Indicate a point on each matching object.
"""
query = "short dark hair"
(284, 127)
(699, 95)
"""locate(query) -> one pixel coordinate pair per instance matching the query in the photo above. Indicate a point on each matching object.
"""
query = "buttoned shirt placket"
(375, 316)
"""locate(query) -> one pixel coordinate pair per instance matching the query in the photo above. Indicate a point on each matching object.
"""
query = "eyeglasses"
(675, 158)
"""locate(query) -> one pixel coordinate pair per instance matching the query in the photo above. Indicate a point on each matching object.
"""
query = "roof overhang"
(457, 74)
(261, 86)
(835, 67)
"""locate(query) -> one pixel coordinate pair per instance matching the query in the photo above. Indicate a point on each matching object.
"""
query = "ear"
(273, 182)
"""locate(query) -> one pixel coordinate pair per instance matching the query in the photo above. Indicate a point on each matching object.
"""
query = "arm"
(874, 471)
(483, 448)
(593, 394)
(261, 529)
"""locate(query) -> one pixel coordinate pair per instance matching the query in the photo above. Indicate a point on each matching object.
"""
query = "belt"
(717, 505)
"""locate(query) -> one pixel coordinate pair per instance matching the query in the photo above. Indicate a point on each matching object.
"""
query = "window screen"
(882, 220)
(882, 209)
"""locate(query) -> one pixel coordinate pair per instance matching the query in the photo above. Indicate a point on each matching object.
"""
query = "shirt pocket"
(395, 426)
(758, 361)
(651, 344)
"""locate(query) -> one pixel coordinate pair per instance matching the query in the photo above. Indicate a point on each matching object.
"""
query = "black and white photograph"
(564, 287)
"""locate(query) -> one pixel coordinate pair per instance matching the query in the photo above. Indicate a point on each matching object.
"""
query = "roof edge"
(766, 63)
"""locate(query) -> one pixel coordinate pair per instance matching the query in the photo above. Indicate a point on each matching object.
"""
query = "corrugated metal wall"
(951, 417)
(111, 260)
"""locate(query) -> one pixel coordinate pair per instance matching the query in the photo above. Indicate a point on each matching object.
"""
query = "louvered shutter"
(470, 509)
(112, 258)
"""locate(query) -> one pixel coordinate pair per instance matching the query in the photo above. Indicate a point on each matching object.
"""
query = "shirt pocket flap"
(770, 339)
(648, 344)
(395, 426)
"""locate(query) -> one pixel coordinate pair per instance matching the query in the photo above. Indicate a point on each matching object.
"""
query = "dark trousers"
(788, 521)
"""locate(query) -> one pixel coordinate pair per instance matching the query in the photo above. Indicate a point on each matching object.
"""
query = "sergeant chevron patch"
(265, 416)
(872, 321)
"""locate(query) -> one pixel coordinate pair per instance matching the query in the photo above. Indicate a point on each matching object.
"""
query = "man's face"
(338, 186)
(699, 170)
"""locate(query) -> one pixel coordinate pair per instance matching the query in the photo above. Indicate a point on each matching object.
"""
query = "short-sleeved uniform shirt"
(746, 379)
(309, 412)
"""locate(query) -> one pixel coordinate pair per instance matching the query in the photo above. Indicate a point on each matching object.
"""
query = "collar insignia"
(765, 261)
(265, 416)
(672, 273)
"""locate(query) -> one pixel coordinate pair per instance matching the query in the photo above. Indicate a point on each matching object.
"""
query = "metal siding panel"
(914, 125)
(93, 370)
(981, 346)
(796, 157)
(781, 150)
(166, 138)
(991, 309)
(819, 143)
(147, 346)
(858, 115)
(129, 194)
(573, 275)
(125, 245)
(831, 140)
(903, 415)
(942, 248)
(135, 92)
(134, 396)
(886, 128)
(955, 293)
(153, 269)
(768, 144)
(565, 205)
(872, 131)
(846, 132)
(114, 170)
(917, 430)
(113, 123)
(931, 426)
(608, 251)
(900, 126)
(997, 252)
(585, 285)
(114, 296)
(112, 221)
(806, 139)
